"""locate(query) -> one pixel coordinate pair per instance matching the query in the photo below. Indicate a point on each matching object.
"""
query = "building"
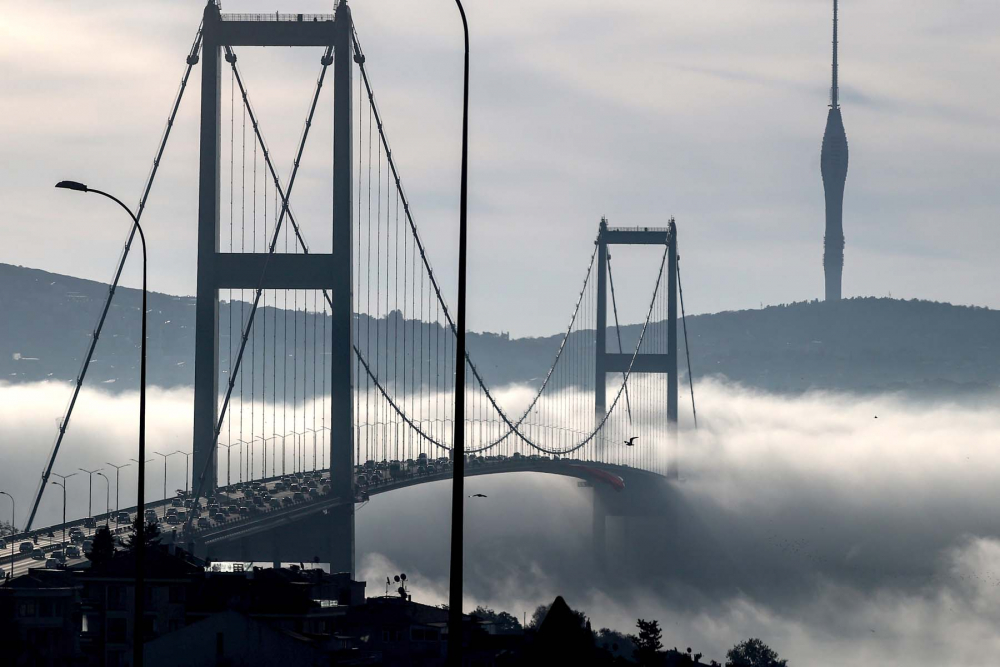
(833, 165)
(40, 618)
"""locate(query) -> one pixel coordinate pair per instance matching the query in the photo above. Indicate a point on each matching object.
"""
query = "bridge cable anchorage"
(687, 350)
(285, 210)
(618, 331)
(191, 61)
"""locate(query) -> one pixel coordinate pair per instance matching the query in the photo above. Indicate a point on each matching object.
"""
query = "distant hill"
(861, 345)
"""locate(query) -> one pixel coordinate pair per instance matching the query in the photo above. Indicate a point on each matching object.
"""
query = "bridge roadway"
(234, 526)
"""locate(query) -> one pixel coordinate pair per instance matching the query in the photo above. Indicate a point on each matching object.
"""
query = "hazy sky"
(712, 112)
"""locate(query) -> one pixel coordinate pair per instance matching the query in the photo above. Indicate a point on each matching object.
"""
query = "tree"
(504, 622)
(648, 642)
(103, 547)
(150, 534)
(753, 653)
(616, 643)
(7, 529)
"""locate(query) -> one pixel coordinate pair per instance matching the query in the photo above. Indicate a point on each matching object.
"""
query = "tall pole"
(107, 499)
(117, 479)
(140, 504)
(12, 529)
(63, 485)
(164, 472)
(229, 460)
(458, 483)
(90, 495)
(187, 460)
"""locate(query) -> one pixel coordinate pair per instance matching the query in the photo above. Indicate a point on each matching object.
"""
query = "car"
(2, 573)
(76, 530)
(244, 511)
(26, 547)
(279, 486)
(88, 545)
(313, 491)
(172, 511)
(298, 495)
(203, 522)
(258, 501)
(3, 544)
(274, 503)
(326, 488)
(59, 555)
(286, 501)
(76, 538)
(123, 517)
(294, 487)
(172, 519)
(72, 551)
(233, 509)
(52, 564)
(37, 554)
(219, 517)
(188, 503)
(90, 522)
(176, 502)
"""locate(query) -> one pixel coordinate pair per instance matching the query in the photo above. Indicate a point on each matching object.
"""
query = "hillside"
(862, 344)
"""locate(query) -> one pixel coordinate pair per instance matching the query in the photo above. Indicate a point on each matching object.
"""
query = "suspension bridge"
(330, 376)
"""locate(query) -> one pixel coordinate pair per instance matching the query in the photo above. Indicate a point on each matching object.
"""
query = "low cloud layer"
(842, 530)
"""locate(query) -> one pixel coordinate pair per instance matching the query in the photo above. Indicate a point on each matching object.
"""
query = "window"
(117, 629)
(26, 610)
(46, 609)
(84, 624)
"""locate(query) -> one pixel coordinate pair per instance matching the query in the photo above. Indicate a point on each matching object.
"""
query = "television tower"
(833, 165)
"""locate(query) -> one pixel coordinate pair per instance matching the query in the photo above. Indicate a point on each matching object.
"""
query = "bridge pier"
(644, 512)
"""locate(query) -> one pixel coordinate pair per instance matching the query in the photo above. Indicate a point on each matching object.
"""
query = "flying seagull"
(631, 441)
(478, 495)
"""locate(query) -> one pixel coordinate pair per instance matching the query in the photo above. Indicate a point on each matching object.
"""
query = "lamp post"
(90, 494)
(273, 446)
(12, 529)
(107, 500)
(263, 455)
(241, 443)
(63, 485)
(142, 496)
(458, 442)
(187, 461)
(140, 505)
(117, 479)
(228, 462)
(165, 457)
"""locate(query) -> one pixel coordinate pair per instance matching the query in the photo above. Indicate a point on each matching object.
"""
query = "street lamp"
(165, 457)
(140, 505)
(12, 529)
(63, 485)
(263, 456)
(117, 470)
(142, 496)
(241, 443)
(90, 493)
(458, 442)
(314, 432)
(187, 460)
(228, 462)
(107, 500)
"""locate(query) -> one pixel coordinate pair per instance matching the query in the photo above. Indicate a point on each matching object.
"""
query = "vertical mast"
(834, 89)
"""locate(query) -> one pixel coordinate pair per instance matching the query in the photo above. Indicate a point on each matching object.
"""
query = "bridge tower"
(608, 362)
(331, 271)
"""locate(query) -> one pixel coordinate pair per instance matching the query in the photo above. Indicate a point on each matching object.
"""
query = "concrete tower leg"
(341, 519)
(206, 350)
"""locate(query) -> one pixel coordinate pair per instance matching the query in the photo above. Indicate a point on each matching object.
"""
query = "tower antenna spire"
(835, 89)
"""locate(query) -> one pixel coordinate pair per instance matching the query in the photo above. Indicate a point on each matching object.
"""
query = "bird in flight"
(631, 441)
(478, 495)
